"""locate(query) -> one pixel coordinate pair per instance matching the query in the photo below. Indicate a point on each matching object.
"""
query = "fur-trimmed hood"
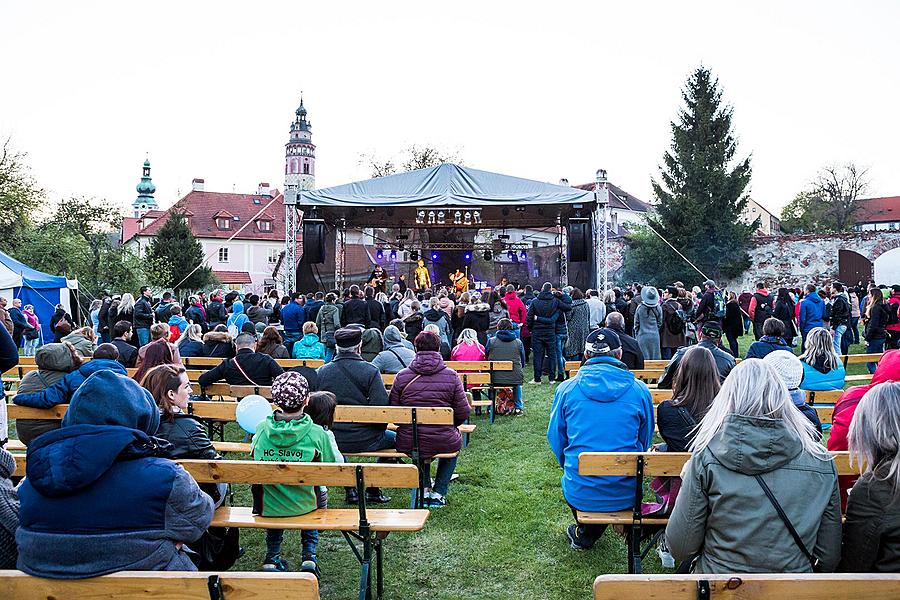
(478, 307)
(216, 337)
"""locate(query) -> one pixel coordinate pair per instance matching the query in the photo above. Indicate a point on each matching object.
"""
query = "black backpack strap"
(813, 561)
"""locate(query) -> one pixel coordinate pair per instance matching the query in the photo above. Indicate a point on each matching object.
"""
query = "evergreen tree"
(699, 197)
(175, 246)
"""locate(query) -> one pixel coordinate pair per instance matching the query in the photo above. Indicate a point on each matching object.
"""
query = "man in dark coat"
(215, 311)
(631, 351)
(143, 316)
(122, 333)
(544, 312)
(20, 323)
(248, 367)
(356, 383)
(355, 310)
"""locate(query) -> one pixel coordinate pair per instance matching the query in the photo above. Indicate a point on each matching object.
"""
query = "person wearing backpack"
(733, 324)
(177, 323)
(671, 337)
(711, 306)
(761, 308)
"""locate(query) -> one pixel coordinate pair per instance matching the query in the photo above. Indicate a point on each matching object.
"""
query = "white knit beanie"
(788, 367)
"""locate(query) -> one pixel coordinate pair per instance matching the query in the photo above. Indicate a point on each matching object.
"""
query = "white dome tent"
(41, 290)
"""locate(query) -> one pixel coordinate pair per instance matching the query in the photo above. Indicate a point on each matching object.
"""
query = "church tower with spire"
(145, 189)
(300, 153)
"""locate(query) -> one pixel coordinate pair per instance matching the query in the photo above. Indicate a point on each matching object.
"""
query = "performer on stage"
(377, 279)
(423, 277)
(460, 281)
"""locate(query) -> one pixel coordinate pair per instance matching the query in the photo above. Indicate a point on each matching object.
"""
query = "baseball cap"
(602, 341)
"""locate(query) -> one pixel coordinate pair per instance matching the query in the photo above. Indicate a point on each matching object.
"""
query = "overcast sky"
(533, 89)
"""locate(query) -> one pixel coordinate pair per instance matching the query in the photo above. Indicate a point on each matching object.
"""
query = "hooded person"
(54, 361)
(218, 344)
(888, 370)
(812, 311)
(372, 344)
(790, 370)
(396, 356)
(237, 318)
(97, 499)
(602, 391)
(64, 390)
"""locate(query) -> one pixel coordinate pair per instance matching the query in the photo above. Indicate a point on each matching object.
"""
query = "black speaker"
(313, 241)
(579, 233)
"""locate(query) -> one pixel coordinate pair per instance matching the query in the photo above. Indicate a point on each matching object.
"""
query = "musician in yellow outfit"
(423, 277)
(460, 281)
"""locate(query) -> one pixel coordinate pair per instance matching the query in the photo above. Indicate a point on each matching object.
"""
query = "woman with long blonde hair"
(754, 450)
(822, 367)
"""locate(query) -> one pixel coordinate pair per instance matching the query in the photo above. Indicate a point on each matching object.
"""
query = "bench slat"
(660, 464)
(160, 586)
(330, 519)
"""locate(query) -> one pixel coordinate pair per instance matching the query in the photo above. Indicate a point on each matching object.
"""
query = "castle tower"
(300, 154)
(145, 189)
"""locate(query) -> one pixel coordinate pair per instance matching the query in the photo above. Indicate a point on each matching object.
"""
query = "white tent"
(41, 290)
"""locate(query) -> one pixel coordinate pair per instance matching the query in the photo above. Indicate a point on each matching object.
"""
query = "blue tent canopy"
(441, 185)
(15, 274)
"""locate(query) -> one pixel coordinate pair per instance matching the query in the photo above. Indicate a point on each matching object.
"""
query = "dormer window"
(223, 223)
(264, 225)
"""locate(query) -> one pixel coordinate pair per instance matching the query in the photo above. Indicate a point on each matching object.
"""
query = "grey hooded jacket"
(723, 514)
(396, 356)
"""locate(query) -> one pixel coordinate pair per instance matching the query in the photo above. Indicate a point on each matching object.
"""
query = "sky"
(532, 89)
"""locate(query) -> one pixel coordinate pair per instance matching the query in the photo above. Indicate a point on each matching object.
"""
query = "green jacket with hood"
(292, 440)
(723, 514)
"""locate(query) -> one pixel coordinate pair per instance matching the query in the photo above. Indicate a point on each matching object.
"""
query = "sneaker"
(535, 382)
(275, 564)
(576, 540)
(310, 565)
(435, 500)
(518, 412)
(665, 557)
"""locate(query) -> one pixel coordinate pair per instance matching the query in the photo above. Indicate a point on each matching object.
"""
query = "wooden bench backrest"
(829, 397)
(399, 415)
(660, 464)
(573, 365)
(162, 586)
(293, 473)
(872, 586)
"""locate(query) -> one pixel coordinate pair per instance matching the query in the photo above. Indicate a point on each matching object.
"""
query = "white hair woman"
(872, 530)
(754, 450)
(191, 341)
(822, 367)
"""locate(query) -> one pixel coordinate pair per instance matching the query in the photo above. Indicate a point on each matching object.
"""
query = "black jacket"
(477, 318)
(194, 314)
(355, 383)
(871, 540)
(355, 311)
(217, 344)
(188, 439)
(784, 312)
(261, 369)
(543, 314)
(631, 351)
(676, 425)
(216, 313)
(143, 314)
(878, 320)
(840, 311)
(376, 315)
(733, 325)
(104, 315)
(127, 352)
(724, 363)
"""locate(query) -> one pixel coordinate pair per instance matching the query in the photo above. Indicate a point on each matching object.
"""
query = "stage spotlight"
(510, 254)
(379, 254)
(413, 255)
(468, 256)
(488, 255)
(523, 255)
(394, 255)
(434, 256)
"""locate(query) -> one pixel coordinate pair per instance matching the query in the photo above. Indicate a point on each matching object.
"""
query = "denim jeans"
(747, 323)
(839, 333)
(544, 343)
(874, 346)
(517, 397)
(143, 336)
(31, 346)
(445, 468)
(854, 330)
(668, 353)
(561, 355)
(290, 339)
(309, 540)
(329, 354)
(387, 440)
(733, 346)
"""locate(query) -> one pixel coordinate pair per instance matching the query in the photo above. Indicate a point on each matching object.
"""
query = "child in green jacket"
(289, 435)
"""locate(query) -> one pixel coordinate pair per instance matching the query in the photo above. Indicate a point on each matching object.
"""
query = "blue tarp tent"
(43, 291)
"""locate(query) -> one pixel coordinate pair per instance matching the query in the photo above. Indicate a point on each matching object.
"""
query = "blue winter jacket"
(311, 310)
(180, 321)
(766, 345)
(238, 317)
(602, 409)
(63, 390)
(292, 316)
(817, 381)
(96, 500)
(812, 312)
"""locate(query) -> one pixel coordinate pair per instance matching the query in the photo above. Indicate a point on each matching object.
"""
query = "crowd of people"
(738, 420)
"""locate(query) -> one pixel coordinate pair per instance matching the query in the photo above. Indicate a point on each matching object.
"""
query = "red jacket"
(894, 304)
(888, 370)
(516, 308)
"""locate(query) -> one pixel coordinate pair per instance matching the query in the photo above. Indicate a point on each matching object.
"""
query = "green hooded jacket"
(294, 440)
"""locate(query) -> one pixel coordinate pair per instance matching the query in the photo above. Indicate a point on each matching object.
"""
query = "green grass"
(501, 537)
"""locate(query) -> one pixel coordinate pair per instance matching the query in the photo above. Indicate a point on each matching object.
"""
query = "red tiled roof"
(619, 198)
(203, 207)
(233, 276)
(878, 210)
(129, 227)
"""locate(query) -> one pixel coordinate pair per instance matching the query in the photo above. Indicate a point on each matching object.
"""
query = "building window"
(306, 168)
(264, 225)
(273, 255)
(223, 223)
(223, 255)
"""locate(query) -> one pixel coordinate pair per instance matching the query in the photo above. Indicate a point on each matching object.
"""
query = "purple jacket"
(437, 386)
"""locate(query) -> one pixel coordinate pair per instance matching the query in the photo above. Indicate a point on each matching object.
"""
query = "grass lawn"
(501, 537)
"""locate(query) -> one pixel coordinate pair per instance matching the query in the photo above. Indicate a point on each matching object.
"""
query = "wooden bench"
(641, 465)
(160, 585)
(797, 586)
(368, 526)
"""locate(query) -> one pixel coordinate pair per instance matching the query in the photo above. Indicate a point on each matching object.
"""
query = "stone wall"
(794, 260)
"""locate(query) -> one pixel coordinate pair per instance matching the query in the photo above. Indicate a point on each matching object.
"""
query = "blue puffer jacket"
(603, 393)
(63, 390)
(95, 500)
(817, 381)
(812, 312)
(766, 345)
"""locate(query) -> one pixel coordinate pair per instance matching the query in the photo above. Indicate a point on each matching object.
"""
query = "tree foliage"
(830, 202)
(700, 196)
(413, 158)
(20, 197)
(174, 252)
